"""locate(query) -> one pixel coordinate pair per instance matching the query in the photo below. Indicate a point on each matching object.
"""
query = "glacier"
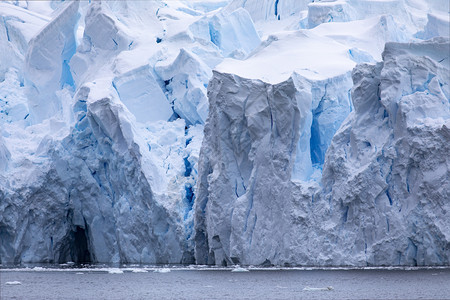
(272, 132)
(382, 196)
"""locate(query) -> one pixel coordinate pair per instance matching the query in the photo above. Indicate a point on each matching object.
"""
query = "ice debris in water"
(115, 271)
(239, 269)
(328, 288)
(162, 270)
(137, 270)
(13, 283)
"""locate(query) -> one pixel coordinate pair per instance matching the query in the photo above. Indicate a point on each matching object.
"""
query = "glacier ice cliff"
(96, 173)
(224, 131)
(384, 192)
(91, 193)
(389, 181)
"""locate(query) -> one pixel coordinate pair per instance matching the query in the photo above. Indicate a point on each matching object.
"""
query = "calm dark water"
(206, 283)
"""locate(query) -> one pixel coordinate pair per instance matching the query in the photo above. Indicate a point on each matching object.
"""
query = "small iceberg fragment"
(162, 270)
(79, 273)
(328, 288)
(239, 269)
(13, 283)
(115, 271)
(138, 270)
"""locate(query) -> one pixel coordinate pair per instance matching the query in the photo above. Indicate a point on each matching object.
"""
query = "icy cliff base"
(384, 193)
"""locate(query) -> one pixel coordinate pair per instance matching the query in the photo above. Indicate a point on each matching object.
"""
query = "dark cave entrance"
(80, 250)
(75, 247)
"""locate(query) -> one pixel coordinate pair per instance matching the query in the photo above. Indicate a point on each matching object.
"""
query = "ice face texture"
(258, 124)
(391, 177)
(382, 197)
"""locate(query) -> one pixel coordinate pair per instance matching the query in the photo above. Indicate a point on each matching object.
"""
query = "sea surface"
(140, 282)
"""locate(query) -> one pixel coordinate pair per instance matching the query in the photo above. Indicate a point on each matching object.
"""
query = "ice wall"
(97, 180)
(387, 181)
(382, 197)
(101, 122)
(94, 193)
(258, 137)
(246, 158)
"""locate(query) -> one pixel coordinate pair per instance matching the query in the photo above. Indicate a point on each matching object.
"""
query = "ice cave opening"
(80, 248)
(76, 247)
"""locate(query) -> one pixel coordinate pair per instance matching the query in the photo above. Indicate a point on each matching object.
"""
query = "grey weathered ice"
(384, 193)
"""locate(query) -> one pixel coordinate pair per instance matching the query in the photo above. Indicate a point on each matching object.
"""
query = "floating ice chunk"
(13, 283)
(312, 289)
(162, 270)
(142, 95)
(240, 269)
(139, 270)
(115, 271)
